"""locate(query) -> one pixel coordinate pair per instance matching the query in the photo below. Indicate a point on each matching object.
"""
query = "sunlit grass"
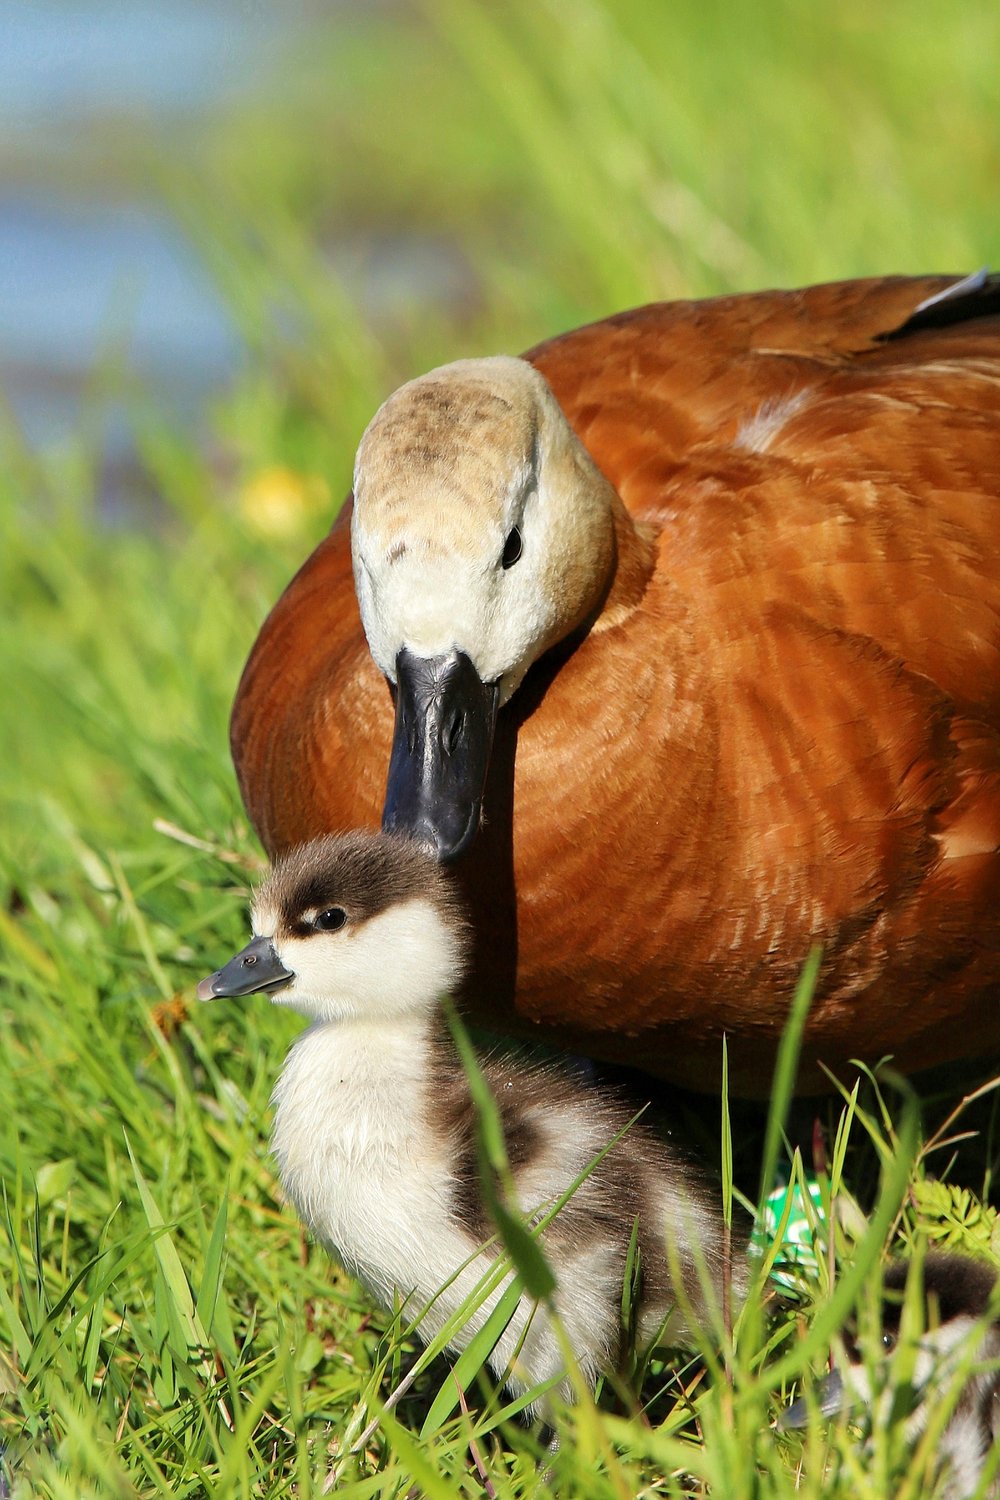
(169, 1329)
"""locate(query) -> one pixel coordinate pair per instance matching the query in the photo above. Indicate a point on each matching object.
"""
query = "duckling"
(960, 1323)
(374, 1127)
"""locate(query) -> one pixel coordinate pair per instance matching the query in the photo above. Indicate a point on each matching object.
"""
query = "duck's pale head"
(351, 927)
(482, 534)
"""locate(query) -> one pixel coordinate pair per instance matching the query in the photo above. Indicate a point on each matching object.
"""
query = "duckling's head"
(482, 533)
(957, 1293)
(351, 927)
(958, 1300)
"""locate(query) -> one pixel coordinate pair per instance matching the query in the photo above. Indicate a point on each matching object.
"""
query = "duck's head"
(355, 926)
(482, 534)
(957, 1303)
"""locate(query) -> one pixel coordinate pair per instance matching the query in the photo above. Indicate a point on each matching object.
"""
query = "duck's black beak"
(445, 715)
(830, 1397)
(257, 967)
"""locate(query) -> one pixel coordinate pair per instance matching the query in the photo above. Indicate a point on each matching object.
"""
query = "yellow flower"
(278, 502)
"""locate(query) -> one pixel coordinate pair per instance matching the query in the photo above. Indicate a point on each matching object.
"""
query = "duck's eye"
(331, 919)
(888, 1341)
(511, 548)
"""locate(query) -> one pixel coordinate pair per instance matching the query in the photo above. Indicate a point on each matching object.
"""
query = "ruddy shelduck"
(682, 635)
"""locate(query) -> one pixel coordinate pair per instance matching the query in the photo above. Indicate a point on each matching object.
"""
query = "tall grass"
(166, 1327)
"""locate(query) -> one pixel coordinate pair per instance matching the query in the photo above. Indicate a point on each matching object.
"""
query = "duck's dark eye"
(511, 548)
(888, 1341)
(331, 919)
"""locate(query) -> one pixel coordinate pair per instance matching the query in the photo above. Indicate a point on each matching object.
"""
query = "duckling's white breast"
(359, 1156)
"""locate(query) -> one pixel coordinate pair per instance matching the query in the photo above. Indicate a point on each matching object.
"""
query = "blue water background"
(78, 271)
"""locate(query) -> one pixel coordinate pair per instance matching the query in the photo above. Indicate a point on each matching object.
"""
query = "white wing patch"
(758, 432)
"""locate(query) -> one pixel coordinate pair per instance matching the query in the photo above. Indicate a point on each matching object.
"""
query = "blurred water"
(76, 274)
(61, 60)
(79, 279)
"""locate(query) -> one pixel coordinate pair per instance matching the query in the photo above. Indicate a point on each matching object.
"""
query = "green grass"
(166, 1327)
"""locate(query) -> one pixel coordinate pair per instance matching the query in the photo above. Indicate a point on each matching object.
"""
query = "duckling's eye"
(511, 548)
(331, 919)
(888, 1341)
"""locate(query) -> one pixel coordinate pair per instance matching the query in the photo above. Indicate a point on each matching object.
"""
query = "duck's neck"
(635, 558)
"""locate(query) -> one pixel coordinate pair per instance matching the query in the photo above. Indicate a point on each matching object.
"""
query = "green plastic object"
(797, 1255)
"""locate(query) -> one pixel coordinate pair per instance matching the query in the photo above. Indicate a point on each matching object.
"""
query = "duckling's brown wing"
(793, 736)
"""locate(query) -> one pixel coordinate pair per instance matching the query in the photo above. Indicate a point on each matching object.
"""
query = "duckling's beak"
(441, 746)
(257, 967)
(830, 1397)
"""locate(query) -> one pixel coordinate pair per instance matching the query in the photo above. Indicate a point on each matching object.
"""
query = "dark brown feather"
(618, 1193)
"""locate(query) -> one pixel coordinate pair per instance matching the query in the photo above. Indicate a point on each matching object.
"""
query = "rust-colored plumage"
(782, 728)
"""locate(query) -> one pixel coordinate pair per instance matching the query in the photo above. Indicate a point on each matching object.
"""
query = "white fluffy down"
(401, 960)
(372, 1183)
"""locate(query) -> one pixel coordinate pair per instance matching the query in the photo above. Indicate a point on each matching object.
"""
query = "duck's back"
(795, 734)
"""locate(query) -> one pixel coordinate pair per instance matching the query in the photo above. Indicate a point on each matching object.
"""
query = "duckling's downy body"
(374, 1125)
(959, 1339)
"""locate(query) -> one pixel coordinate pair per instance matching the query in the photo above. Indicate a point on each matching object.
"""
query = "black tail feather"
(975, 296)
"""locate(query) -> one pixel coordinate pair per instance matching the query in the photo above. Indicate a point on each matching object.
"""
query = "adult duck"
(697, 611)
